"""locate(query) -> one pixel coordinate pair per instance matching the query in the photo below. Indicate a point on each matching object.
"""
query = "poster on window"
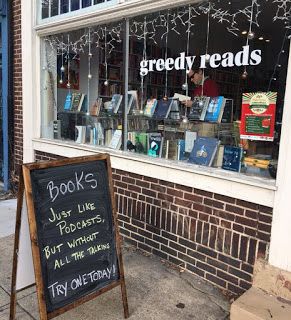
(69, 71)
(258, 116)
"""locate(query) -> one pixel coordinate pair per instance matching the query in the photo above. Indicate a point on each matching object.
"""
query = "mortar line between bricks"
(206, 294)
(17, 304)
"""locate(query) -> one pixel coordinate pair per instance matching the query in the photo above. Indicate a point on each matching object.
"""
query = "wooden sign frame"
(25, 186)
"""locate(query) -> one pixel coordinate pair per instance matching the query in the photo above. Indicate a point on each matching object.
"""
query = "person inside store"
(204, 86)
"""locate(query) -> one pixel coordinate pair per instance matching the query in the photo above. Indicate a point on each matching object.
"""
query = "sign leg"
(16, 247)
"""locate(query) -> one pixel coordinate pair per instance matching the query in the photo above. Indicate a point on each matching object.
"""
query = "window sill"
(249, 188)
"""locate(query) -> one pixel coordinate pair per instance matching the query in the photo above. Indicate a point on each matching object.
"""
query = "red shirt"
(210, 89)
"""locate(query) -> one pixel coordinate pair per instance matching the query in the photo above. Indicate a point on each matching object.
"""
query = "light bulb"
(89, 76)
(68, 85)
(185, 120)
(62, 68)
(244, 75)
(90, 54)
(106, 83)
(61, 81)
(251, 35)
(184, 86)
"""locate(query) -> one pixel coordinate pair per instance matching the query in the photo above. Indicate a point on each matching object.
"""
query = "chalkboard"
(74, 232)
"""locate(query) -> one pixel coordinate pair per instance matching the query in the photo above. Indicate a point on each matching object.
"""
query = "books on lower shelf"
(80, 134)
(215, 109)
(199, 108)
(181, 150)
(204, 151)
(141, 142)
(190, 137)
(150, 107)
(115, 142)
(232, 158)
(155, 144)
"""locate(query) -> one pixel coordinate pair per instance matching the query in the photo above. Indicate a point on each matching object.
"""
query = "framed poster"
(258, 116)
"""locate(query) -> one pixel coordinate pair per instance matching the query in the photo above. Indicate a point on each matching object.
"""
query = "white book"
(115, 142)
(181, 97)
(190, 138)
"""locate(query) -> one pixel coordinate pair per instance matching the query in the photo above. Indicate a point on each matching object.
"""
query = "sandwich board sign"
(72, 224)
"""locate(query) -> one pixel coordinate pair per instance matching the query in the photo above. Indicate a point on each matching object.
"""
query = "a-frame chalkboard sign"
(73, 229)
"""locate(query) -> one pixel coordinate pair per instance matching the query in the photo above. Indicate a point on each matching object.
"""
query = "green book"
(141, 142)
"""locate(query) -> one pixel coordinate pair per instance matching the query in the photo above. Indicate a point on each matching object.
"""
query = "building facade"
(212, 219)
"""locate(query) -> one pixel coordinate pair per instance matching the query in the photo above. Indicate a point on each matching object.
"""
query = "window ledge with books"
(249, 188)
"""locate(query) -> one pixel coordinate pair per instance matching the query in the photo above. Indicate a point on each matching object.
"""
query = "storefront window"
(206, 86)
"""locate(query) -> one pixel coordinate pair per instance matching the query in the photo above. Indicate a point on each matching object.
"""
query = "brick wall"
(213, 236)
(17, 82)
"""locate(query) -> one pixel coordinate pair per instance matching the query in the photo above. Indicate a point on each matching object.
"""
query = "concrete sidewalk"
(156, 291)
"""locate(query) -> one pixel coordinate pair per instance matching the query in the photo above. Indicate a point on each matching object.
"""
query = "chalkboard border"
(26, 169)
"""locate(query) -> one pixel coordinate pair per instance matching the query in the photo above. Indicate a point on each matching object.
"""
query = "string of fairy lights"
(156, 27)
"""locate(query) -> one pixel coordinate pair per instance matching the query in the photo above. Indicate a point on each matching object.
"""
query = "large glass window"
(206, 85)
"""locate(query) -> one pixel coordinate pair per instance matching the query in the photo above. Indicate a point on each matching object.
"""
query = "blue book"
(232, 158)
(215, 109)
(181, 150)
(155, 144)
(204, 151)
(68, 102)
(163, 109)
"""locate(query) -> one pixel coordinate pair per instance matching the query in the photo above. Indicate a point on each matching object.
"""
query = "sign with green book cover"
(258, 116)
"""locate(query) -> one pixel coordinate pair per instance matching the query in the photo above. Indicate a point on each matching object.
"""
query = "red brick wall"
(17, 82)
(213, 236)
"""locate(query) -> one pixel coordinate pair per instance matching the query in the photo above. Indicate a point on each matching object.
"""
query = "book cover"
(115, 142)
(258, 116)
(215, 109)
(68, 102)
(190, 137)
(227, 116)
(199, 108)
(77, 101)
(115, 103)
(130, 102)
(181, 97)
(173, 150)
(218, 160)
(204, 151)
(182, 155)
(163, 109)
(135, 102)
(96, 107)
(80, 134)
(150, 107)
(232, 158)
(141, 142)
(175, 110)
(155, 144)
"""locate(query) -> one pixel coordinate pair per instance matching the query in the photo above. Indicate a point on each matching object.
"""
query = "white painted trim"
(109, 14)
(251, 189)
(280, 253)
(29, 105)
